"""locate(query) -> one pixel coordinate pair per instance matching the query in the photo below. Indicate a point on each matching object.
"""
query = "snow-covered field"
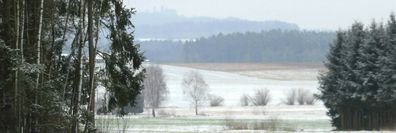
(230, 86)
(176, 114)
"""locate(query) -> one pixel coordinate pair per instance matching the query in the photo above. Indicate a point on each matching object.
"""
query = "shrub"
(290, 97)
(215, 100)
(305, 96)
(245, 99)
(310, 100)
(301, 96)
(261, 97)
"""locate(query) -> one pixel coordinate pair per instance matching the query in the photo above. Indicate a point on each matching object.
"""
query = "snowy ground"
(285, 118)
(230, 86)
(176, 115)
(280, 71)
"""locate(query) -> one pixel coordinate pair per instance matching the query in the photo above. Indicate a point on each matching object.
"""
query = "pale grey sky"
(308, 14)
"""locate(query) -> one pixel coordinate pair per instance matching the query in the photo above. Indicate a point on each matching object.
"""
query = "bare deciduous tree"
(155, 89)
(195, 88)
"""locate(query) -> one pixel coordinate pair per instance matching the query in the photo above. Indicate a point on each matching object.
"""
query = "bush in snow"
(302, 95)
(310, 99)
(261, 97)
(245, 99)
(215, 100)
(290, 97)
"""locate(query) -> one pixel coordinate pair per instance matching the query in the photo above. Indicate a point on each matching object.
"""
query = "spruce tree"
(388, 62)
(331, 81)
(359, 86)
(123, 71)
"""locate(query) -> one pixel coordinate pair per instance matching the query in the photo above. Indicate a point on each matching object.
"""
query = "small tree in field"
(195, 88)
(155, 90)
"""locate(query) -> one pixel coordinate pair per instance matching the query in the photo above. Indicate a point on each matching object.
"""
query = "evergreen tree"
(359, 87)
(123, 72)
(331, 81)
(388, 69)
(41, 89)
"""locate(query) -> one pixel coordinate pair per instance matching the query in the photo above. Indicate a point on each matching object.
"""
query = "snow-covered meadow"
(230, 86)
(177, 115)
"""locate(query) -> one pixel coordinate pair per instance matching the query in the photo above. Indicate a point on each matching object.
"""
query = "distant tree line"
(359, 88)
(265, 46)
(174, 26)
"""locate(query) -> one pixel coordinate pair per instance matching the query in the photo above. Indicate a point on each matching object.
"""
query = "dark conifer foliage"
(45, 89)
(358, 88)
(123, 63)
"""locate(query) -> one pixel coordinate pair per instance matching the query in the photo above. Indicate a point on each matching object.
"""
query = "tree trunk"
(22, 29)
(16, 95)
(38, 60)
(196, 108)
(79, 71)
(91, 62)
(153, 112)
(39, 42)
(22, 98)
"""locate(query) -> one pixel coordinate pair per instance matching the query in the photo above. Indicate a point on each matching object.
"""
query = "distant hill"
(167, 24)
(265, 46)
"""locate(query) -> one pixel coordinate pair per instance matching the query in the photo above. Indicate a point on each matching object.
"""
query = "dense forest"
(265, 46)
(359, 88)
(45, 89)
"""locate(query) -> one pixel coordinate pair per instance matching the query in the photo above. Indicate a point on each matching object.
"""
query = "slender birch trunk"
(22, 98)
(38, 61)
(22, 29)
(16, 97)
(79, 70)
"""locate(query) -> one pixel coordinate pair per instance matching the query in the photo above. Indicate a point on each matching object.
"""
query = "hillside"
(167, 24)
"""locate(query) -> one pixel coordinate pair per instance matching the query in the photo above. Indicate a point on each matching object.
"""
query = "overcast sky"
(308, 14)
